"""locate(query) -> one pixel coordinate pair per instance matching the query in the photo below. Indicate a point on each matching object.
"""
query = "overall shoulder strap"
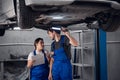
(53, 45)
(62, 39)
(34, 52)
(43, 52)
(45, 56)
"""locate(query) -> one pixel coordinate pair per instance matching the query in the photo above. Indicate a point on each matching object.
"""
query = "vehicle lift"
(100, 56)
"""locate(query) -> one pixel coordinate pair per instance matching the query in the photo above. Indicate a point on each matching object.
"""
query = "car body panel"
(48, 2)
(113, 3)
(6, 9)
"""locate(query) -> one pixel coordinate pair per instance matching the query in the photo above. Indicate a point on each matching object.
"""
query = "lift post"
(100, 55)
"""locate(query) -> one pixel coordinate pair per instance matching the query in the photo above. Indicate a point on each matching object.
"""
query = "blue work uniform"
(61, 68)
(40, 72)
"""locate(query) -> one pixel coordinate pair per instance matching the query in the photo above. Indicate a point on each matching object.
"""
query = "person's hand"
(65, 31)
(51, 53)
(50, 76)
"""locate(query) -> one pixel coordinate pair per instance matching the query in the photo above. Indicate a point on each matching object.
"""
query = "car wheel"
(24, 13)
(109, 23)
(2, 32)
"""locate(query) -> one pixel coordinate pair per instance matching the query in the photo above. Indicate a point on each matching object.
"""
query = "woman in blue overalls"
(60, 66)
(38, 61)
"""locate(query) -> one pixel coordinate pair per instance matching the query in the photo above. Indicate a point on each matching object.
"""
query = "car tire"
(111, 24)
(25, 17)
(2, 32)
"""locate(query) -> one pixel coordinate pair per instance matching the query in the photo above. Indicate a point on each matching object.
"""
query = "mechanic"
(60, 65)
(38, 61)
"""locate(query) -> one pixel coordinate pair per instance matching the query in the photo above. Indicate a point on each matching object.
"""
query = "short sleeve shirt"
(38, 57)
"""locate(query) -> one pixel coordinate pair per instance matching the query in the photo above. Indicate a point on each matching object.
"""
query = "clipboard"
(38, 59)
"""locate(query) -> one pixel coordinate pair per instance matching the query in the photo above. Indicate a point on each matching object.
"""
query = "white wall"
(113, 55)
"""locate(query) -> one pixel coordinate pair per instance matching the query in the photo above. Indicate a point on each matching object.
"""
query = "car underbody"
(43, 15)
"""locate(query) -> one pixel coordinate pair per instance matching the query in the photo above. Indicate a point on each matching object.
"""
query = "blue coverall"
(61, 68)
(40, 72)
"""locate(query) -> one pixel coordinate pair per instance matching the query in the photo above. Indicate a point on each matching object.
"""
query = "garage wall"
(20, 42)
(113, 55)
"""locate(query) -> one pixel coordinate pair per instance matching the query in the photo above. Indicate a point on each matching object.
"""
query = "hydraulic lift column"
(100, 55)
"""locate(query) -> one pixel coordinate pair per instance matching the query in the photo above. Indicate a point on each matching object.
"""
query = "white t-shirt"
(38, 58)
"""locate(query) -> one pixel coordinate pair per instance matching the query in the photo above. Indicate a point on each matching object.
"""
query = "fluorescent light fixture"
(57, 17)
(56, 28)
(17, 28)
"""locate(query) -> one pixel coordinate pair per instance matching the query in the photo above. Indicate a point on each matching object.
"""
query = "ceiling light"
(17, 28)
(57, 17)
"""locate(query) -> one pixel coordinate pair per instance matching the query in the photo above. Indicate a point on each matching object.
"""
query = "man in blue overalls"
(38, 61)
(60, 65)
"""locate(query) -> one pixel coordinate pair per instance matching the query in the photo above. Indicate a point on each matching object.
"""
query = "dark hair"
(37, 40)
(51, 30)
